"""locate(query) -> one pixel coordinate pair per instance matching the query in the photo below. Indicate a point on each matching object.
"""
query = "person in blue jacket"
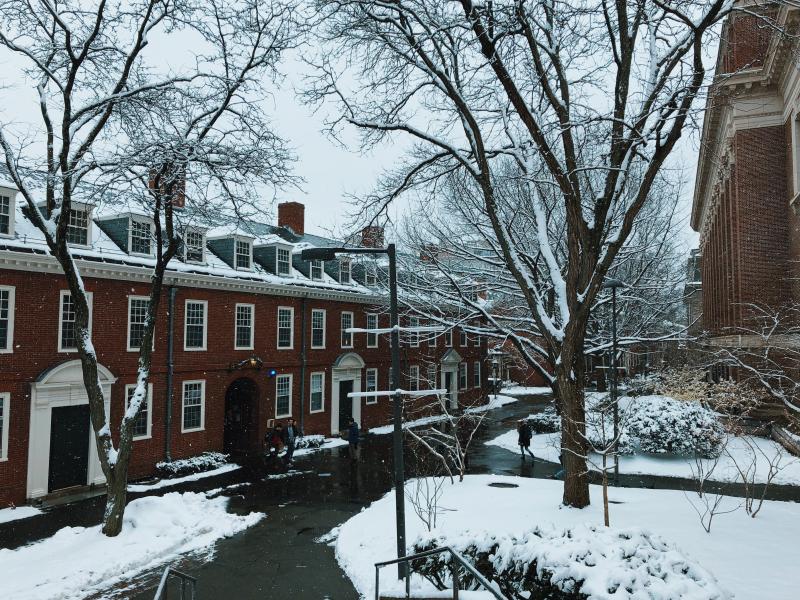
(353, 438)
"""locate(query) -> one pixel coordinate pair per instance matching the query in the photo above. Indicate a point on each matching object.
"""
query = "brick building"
(747, 191)
(246, 332)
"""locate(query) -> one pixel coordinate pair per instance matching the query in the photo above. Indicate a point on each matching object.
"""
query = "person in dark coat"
(353, 439)
(274, 441)
(525, 434)
(290, 435)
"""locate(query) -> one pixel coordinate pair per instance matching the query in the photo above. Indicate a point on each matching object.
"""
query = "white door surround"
(450, 361)
(61, 385)
(347, 367)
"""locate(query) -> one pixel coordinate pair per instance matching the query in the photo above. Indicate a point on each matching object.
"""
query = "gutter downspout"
(303, 364)
(170, 368)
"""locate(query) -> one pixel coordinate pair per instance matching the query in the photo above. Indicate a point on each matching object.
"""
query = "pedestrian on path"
(353, 439)
(524, 440)
(274, 439)
(290, 435)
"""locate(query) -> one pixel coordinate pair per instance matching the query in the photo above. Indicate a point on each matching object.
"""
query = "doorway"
(69, 447)
(345, 404)
(448, 385)
(241, 415)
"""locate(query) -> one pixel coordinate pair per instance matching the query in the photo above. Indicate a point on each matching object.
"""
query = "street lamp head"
(319, 253)
(612, 284)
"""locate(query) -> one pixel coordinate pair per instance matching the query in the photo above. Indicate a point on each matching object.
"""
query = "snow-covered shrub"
(195, 464)
(309, 441)
(581, 563)
(643, 385)
(546, 421)
(668, 426)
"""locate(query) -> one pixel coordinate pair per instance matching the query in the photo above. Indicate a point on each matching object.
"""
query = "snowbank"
(16, 513)
(145, 487)
(325, 444)
(384, 429)
(521, 390)
(495, 401)
(82, 561)
(755, 558)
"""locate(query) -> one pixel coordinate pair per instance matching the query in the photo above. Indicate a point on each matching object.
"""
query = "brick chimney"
(161, 177)
(292, 215)
(429, 253)
(372, 236)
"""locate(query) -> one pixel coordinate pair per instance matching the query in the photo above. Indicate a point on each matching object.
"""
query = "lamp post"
(613, 284)
(399, 469)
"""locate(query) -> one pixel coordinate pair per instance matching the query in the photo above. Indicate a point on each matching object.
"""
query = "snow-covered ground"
(163, 483)
(384, 429)
(77, 562)
(495, 401)
(546, 446)
(521, 390)
(326, 445)
(17, 513)
(751, 558)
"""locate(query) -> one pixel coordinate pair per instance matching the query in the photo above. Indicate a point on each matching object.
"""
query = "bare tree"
(119, 125)
(588, 100)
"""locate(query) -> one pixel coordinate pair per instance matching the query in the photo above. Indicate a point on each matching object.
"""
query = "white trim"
(6, 398)
(311, 391)
(236, 326)
(11, 296)
(375, 335)
(342, 329)
(463, 365)
(202, 232)
(349, 263)
(128, 341)
(89, 301)
(150, 224)
(202, 426)
(345, 373)
(448, 337)
(82, 206)
(413, 378)
(476, 370)
(149, 405)
(413, 323)
(321, 270)
(205, 324)
(371, 399)
(243, 240)
(324, 328)
(288, 250)
(11, 193)
(291, 386)
(278, 328)
(463, 342)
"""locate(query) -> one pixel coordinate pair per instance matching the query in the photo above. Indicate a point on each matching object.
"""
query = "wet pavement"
(279, 557)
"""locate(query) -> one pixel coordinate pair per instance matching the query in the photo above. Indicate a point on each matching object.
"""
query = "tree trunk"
(573, 436)
(605, 491)
(116, 498)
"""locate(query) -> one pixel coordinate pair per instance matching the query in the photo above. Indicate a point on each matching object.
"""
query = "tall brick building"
(247, 332)
(747, 192)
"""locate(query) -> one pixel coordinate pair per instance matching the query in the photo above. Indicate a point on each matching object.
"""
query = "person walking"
(290, 435)
(274, 441)
(524, 434)
(353, 439)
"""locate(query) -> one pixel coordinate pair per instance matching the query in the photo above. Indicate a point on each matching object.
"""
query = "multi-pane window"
(194, 335)
(68, 326)
(347, 323)
(6, 319)
(413, 377)
(317, 392)
(413, 336)
(433, 339)
(370, 276)
(372, 338)
(283, 396)
(372, 385)
(244, 326)
(432, 376)
(194, 246)
(78, 226)
(242, 254)
(317, 268)
(462, 376)
(284, 259)
(476, 374)
(141, 236)
(5, 215)
(137, 320)
(476, 340)
(448, 338)
(4, 408)
(194, 399)
(285, 327)
(317, 328)
(141, 425)
(344, 271)
(462, 338)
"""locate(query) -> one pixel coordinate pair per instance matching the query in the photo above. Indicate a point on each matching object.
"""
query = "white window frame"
(343, 328)
(463, 342)
(462, 371)
(433, 373)
(252, 308)
(433, 338)
(6, 398)
(370, 276)
(130, 303)
(77, 206)
(201, 233)
(11, 295)
(12, 198)
(476, 374)
(448, 338)
(150, 240)
(324, 328)
(371, 399)
(89, 297)
(310, 393)
(372, 338)
(311, 267)
(249, 243)
(202, 426)
(413, 323)
(476, 340)
(186, 325)
(291, 328)
(291, 385)
(413, 377)
(149, 407)
(348, 270)
(796, 155)
(278, 272)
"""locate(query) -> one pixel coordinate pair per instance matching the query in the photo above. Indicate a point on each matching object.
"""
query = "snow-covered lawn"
(17, 513)
(326, 445)
(145, 487)
(495, 401)
(751, 558)
(546, 446)
(521, 390)
(80, 561)
(384, 429)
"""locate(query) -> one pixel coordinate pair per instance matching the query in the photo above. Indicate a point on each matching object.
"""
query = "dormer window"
(78, 226)
(370, 277)
(243, 258)
(194, 246)
(283, 260)
(141, 237)
(317, 268)
(6, 215)
(344, 271)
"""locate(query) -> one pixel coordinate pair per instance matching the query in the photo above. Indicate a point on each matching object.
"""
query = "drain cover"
(500, 484)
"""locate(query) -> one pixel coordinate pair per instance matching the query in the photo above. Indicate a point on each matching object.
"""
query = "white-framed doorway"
(449, 377)
(345, 375)
(61, 387)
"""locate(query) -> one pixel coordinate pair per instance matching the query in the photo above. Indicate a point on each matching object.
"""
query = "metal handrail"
(161, 592)
(455, 555)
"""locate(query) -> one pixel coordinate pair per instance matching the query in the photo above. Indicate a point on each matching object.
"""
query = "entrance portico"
(345, 378)
(450, 361)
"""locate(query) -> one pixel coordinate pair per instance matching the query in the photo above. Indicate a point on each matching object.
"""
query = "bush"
(582, 563)
(195, 464)
(667, 426)
(546, 421)
(309, 441)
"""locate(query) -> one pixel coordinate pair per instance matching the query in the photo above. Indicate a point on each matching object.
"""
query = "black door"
(69, 447)
(448, 383)
(240, 414)
(345, 404)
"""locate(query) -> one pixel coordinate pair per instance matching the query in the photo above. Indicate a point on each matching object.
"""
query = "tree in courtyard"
(182, 142)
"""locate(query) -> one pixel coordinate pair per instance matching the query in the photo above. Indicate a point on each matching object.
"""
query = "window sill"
(185, 349)
(289, 416)
(243, 348)
(318, 347)
(314, 412)
(199, 429)
(142, 438)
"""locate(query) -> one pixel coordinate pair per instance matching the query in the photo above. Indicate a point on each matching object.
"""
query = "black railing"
(187, 581)
(455, 560)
